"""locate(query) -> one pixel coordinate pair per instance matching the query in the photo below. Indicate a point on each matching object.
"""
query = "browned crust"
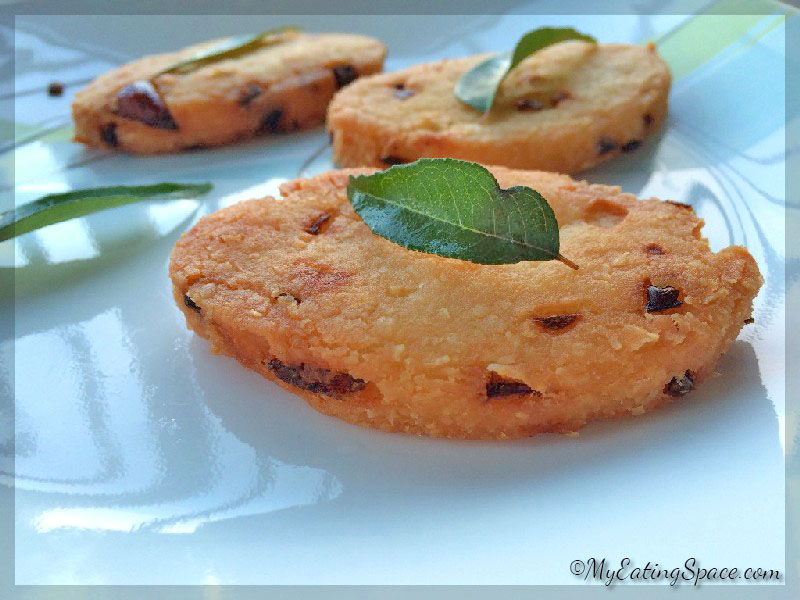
(602, 116)
(426, 332)
(218, 104)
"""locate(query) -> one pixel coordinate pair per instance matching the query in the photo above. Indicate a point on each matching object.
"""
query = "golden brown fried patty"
(278, 88)
(299, 289)
(566, 108)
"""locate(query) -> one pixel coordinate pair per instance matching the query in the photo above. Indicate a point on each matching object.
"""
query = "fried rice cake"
(277, 88)
(566, 108)
(300, 290)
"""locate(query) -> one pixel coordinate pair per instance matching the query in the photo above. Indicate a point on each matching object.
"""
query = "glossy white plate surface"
(142, 458)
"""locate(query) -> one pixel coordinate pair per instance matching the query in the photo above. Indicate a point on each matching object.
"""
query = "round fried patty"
(274, 89)
(299, 289)
(563, 109)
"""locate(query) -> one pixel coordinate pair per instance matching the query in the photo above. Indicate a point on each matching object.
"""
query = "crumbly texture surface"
(403, 341)
(275, 89)
(563, 109)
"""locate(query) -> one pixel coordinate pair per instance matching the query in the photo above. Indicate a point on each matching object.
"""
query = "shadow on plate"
(713, 428)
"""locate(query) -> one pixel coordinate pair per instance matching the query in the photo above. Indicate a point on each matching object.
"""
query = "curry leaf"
(456, 209)
(55, 208)
(231, 48)
(478, 86)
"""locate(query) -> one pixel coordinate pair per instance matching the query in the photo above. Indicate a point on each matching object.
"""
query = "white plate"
(142, 458)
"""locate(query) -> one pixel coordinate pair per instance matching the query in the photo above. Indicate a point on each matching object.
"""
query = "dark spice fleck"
(606, 145)
(557, 322)
(252, 92)
(560, 97)
(648, 120)
(314, 228)
(654, 249)
(190, 303)
(195, 147)
(662, 298)
(393, 160)
(108, 133)
(342, 383)
(402, 92)
(344, 74)
(680, 204)
(631, 145)
(55, 88)
(271, 123)
(529, 104)
(141, 102)
(497, 386)
(679, 387)
(317, 380)
(749, 321)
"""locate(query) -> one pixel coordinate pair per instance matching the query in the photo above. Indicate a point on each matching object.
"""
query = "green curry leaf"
(478, 86)
(55, 208)
(456, 209)
(234, 47)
